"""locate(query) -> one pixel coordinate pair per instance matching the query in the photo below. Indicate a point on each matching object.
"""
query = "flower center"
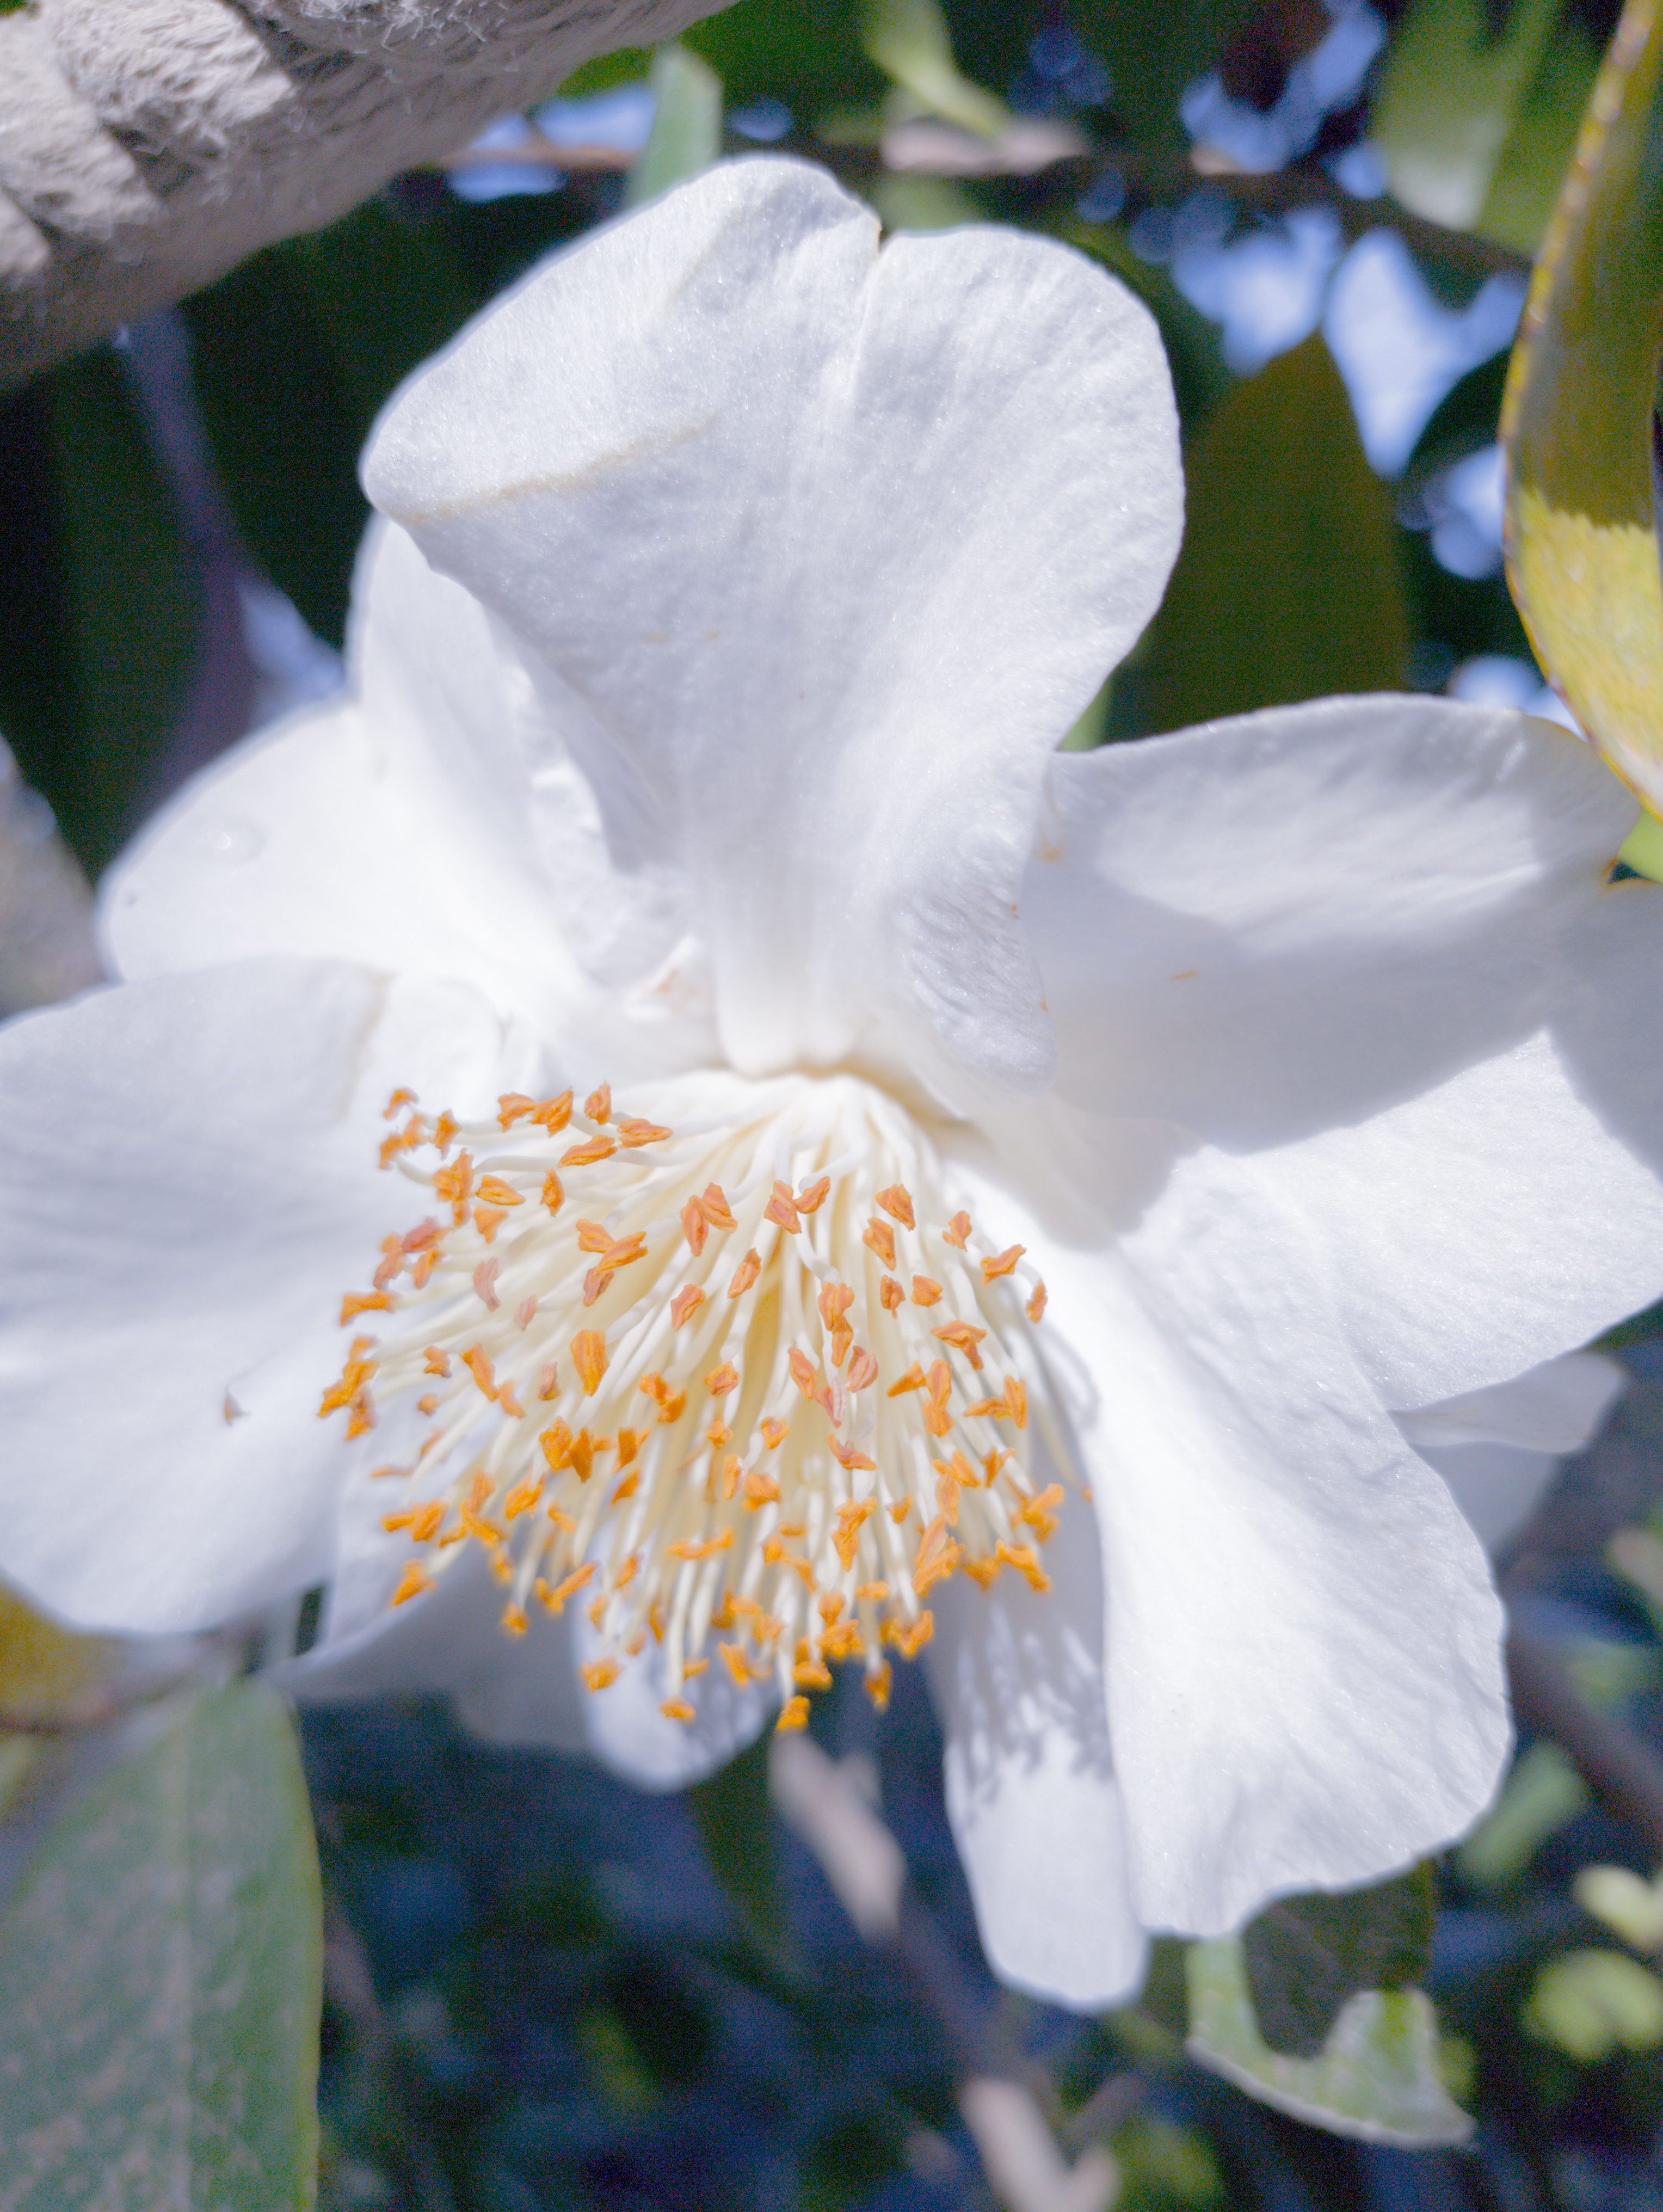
(747, 1379)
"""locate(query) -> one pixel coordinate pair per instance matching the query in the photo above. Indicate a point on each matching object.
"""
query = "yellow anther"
(689, 1548)
(963, 1338)
(880, 1238)
(1004, 1265)
(781, 1208)
(597, 1106)
(745, 1275)
(598, 1147)
(411, 1584)
(495, 1192)
(897, 1202)
(600, 1674)
(553, 1114)
(720, 1379)
(474, 1360)
(578, 1578)
(677, 1709)
(926, 1292)
(938, 1557)
(635, 1133)
(589, 1356)
(793, 1714)
(685, 1303)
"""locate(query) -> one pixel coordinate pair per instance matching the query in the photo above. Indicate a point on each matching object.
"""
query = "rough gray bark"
(147, 146)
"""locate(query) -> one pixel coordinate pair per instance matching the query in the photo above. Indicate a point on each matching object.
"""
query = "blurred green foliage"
(1288, 585)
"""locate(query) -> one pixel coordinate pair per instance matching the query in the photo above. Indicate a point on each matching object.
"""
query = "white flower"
(1308, 1059)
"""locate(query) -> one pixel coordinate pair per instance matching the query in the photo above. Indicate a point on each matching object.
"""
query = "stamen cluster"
(745, 1380)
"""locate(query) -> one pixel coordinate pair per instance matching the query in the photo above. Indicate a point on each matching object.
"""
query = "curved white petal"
(1499, 1448)
(1372, 943)
(1031, 1788)
(1496, 1486)
(1268, 925)
(432, 822)
(1303, 1674)
(831, 546)
(1555, 1407)
(188, 1187)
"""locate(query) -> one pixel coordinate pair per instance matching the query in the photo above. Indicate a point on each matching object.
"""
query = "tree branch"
(147, 146)
(830, 1804)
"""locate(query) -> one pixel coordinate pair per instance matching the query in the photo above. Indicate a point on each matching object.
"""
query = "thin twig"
(823, 1800)
(1623, 1773)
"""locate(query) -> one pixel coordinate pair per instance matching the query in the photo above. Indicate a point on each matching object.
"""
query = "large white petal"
(1303, 1672)
(433, 821)
(831, 546)
(1266, 925)
(1374, 942)
(1031, 1788)
(189, 1185)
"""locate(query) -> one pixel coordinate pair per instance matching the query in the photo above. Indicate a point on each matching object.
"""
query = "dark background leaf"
(1306, 1955)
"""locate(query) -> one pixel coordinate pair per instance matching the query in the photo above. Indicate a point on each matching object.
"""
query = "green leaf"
(160, 1979)
(1451, 91)
(1538, 152)
(1592, 2003)
(97, 619)
(909, 41)
(1153, 53)
(1305, 1956)
(805, 52)
(1541, 1794)
(686, 125)
(735, 1820)
(1377, 2078)
(294, 352)
(1287, 585)
(1581, 543)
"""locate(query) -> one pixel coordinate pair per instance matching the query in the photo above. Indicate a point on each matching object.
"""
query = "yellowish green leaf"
(1630, 1906)
(1449, 98)
(1591, 2003)
(1542, 1793)
(686, 125)
(1377, 2078)
(1582, 552)
(909, 41)
(43, 1668)
(1642, 848)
